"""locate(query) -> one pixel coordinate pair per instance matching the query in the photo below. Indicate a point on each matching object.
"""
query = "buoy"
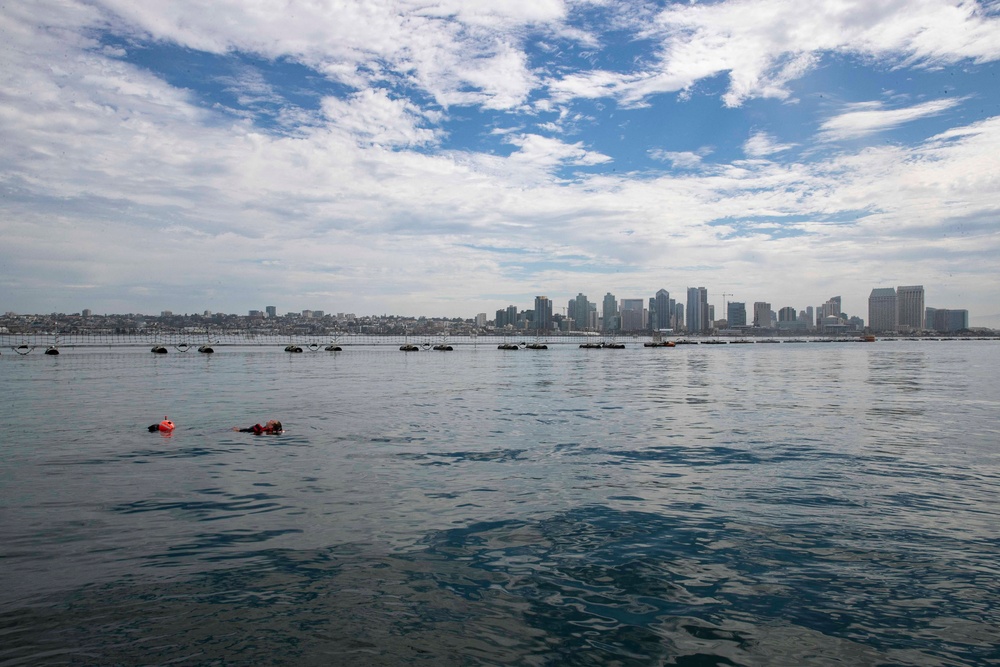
(166, 425)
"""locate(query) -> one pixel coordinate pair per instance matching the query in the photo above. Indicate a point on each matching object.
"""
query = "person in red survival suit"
(271, 427)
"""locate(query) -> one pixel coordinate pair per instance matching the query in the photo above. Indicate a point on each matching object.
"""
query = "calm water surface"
(822, 504)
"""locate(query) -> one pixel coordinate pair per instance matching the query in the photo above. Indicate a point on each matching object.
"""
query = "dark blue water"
(820, 504)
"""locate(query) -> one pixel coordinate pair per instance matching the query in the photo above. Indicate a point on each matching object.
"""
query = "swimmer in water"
(272, 427)
(166, 426)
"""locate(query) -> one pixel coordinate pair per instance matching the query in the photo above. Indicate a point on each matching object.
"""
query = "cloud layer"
(441, 159)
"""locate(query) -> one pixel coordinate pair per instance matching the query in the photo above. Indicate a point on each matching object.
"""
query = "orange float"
(166, 425)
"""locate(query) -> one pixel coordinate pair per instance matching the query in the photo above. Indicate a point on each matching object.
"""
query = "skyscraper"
(543, 313)
(610, 312)
(762, 314)
(662, 310)
(632, 311)
(697, 310)
(737, 314)
(272, 311)
(580, 311)
(910, 307)
(882, 309)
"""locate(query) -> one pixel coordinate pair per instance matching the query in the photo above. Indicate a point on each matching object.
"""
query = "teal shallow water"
(702, 505)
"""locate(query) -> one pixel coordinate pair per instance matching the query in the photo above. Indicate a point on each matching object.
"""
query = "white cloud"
(761, 144)
(866, 118)
(679, 159)
(371, 116)
(762, 45)
(110, 173)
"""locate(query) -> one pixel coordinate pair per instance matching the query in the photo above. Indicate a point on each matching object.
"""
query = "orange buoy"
(166, 425)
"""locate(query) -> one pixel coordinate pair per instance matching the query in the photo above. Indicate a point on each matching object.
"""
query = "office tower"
(543, 313)
(632, 312)
(678, 316)
(697, 310)
(501, 318)
(610, 312)
(762, 314)
(946, 320)
(480, 319)
(272, 311)
(579, 310)
(882, 309)
(662, 310)
(810, 316)
(958, 319)
(512, 316)
(737, 314)
(910, 307)
(787, 314)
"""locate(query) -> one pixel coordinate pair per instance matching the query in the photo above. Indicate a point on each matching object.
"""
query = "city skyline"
(439, 158)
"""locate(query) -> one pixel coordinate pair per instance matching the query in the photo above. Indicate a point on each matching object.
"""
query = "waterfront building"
(512, 316)
(810, 317)
(678, 316)
(697, 310)
(787, 314)
(662, 311)
(882, 309)
(543, 313)
(945, 320)
(762, 314)
(579, 311)
(910, 307)
(632, 315)
(610, 312)
(736, 314)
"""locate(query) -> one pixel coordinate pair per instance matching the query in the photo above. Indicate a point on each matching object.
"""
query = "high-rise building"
(632, 312)
(787, 314)
(736, 313)
(480, 319)
(272, 311)
(543, 313)
(579, 312)
(910, 307)
(697, 310)
(610, 312)
(882, 309)
(661, 309)
(762, 314)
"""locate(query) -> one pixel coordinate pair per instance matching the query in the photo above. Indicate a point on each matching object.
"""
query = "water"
(702, 505)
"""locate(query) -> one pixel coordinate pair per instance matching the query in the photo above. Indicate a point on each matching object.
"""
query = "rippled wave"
(820, 505)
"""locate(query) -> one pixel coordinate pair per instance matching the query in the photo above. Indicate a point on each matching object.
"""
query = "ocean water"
(812, 504)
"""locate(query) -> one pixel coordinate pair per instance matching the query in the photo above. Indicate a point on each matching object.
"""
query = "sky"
(450, 157)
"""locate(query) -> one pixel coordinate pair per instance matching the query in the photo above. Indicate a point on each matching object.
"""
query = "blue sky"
(447, 158)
